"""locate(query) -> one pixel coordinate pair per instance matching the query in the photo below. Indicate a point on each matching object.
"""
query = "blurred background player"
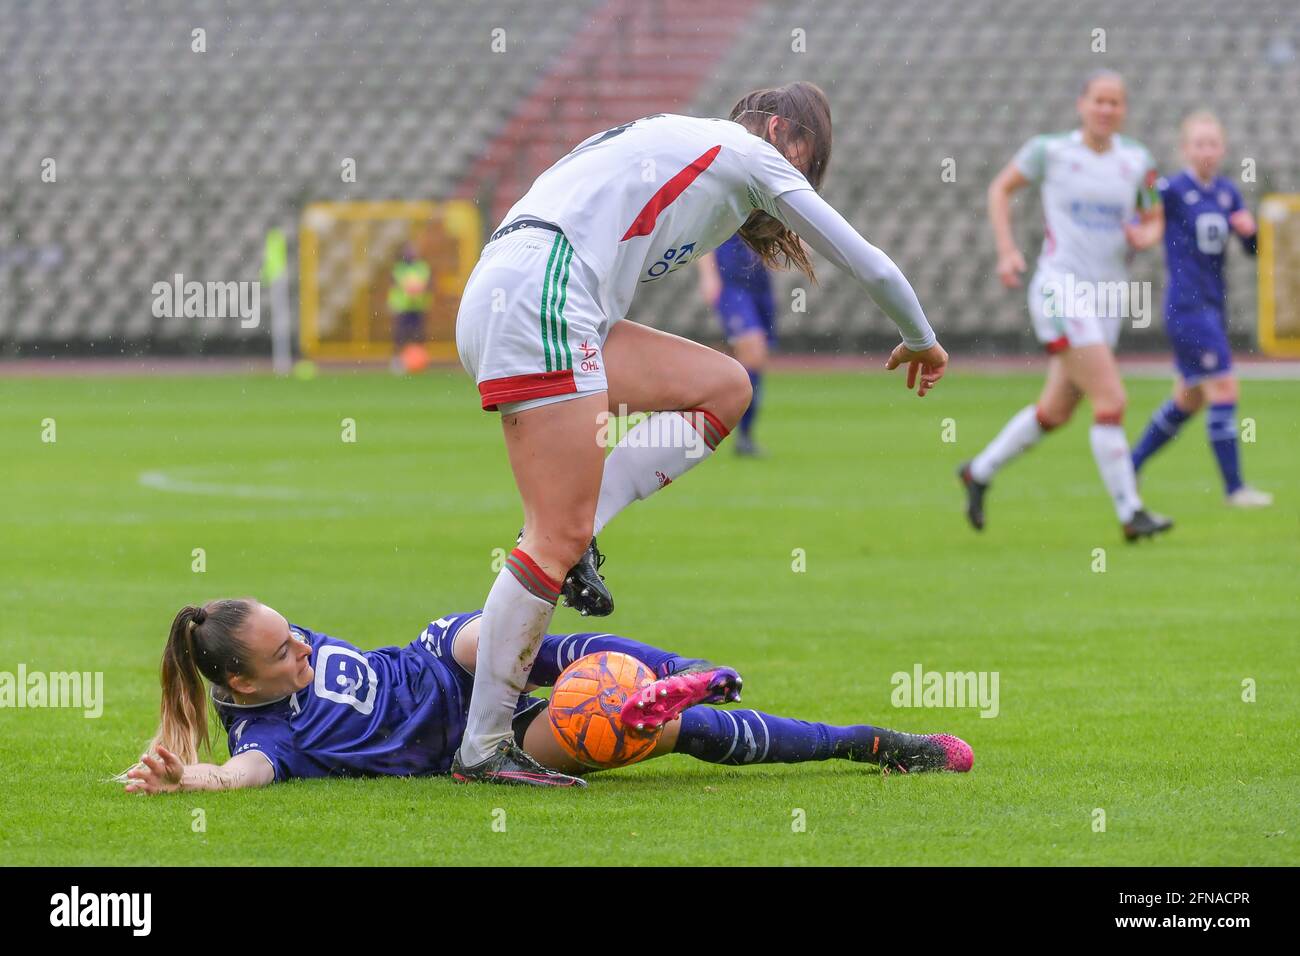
(734, 281)
(1092, 182)
(1202, 209)
(408, 301)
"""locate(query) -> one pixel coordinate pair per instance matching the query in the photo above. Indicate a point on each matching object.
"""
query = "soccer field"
(1119, 691)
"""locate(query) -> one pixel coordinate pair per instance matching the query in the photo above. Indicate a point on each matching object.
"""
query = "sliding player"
(734, 281)
(542, 332)
(1092, 182)
(1202, 210)
(298, 703)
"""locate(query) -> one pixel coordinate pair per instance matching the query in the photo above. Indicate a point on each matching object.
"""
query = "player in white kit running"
(1099, 202)
(541, 329)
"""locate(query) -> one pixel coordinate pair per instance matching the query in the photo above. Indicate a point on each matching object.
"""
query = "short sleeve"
(1031, 159)
(770, 175)
(272, 738)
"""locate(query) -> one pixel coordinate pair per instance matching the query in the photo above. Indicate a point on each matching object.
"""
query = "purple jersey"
(739, 265)
(391, 711)
(1196, 240)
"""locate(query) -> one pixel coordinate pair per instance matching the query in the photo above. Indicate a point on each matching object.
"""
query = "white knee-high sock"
(1115, 462)
(1020, 434)
(656, 451)
(516, 615)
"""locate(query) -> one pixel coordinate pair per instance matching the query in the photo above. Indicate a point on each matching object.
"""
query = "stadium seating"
(913, 84)
(171, 161)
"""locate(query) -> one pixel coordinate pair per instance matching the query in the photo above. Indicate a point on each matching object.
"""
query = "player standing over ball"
(1202, 211)
(541, 330)
(734, 281)
(1092, 182)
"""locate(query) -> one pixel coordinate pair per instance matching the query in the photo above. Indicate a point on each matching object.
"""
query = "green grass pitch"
(1120, 691)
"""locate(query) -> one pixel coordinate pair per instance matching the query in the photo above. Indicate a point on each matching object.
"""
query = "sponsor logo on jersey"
(346, 677)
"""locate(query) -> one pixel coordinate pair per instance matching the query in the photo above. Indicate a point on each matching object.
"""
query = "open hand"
(156, 773)
(930, 363)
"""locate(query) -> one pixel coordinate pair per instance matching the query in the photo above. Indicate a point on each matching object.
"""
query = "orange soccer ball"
(415, 358)
(585, 705)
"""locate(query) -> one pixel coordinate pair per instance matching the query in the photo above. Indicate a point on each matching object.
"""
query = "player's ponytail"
(204, 642)
(807, 115)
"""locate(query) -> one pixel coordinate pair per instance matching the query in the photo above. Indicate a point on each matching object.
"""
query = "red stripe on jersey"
(644, 223)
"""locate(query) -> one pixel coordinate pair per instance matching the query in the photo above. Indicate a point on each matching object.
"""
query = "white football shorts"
(1065, 314)
(530, 330)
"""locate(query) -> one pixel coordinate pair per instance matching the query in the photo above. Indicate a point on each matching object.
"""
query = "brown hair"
(203, 642)
(807, 113)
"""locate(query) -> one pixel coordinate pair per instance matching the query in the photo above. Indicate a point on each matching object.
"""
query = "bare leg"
(751, 350)
(652, 371)
(696, 396)
(1092, 369)
(1056, 403)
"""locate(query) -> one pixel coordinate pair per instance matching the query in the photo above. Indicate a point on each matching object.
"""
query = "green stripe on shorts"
(564, 323)
(546, 294)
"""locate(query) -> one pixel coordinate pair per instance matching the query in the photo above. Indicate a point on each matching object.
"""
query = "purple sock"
(745, 736)
(558, 651)
(751, 413)
(1163, 426)
(1221, 425)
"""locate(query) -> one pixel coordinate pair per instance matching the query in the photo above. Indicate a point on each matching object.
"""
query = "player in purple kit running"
(734, 281)
(1202, 211)
(298, 703)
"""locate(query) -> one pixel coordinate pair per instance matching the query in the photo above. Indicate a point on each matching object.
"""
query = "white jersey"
(1087, 197)
(643, 200)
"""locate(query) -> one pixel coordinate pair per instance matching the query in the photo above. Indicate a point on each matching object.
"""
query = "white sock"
(1115, 462)
(1018, 435)
(516, 615)
(654, 452)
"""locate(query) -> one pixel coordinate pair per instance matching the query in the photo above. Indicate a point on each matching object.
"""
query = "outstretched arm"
(163, 772)
(817, 222)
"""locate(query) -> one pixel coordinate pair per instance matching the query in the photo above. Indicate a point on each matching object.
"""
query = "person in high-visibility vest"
(408, 299)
